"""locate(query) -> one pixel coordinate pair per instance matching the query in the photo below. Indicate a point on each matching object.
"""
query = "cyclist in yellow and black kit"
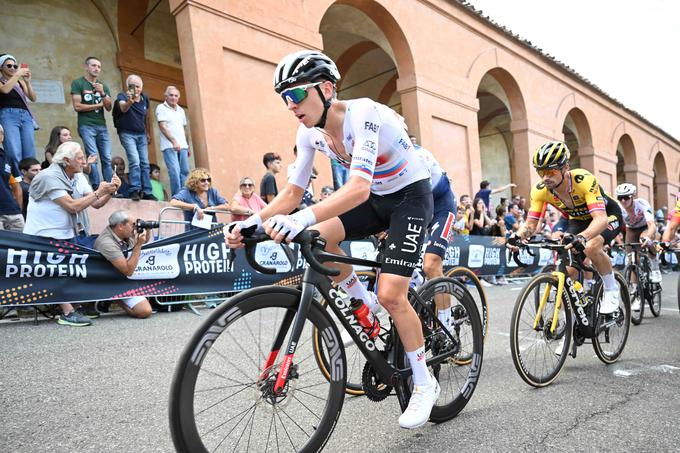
(594, 217)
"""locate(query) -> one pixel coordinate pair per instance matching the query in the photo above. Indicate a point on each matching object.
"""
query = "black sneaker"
(89, 310)
(102, 306)
(74, 319)
(134, 196)
(148, 196)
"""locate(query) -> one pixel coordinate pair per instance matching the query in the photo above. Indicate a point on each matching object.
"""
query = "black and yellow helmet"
(551, 155)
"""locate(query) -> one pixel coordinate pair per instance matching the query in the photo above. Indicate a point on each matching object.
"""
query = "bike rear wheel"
(458, 373)
(631, 273)
(466, 275)
(610, 341)
(654, 299)
(539, 353)
(221, 397)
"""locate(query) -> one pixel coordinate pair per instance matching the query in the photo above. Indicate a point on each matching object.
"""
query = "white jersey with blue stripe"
(379, 147)
(431, 163)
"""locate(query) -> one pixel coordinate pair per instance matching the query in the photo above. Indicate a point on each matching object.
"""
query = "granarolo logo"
(476, 255)
(270, 254)
(157, 263)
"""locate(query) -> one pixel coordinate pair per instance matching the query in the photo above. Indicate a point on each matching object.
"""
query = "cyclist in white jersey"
(640, 225)
(388, 188)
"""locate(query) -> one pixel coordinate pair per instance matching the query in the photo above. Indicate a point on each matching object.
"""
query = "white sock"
(444, 316)
(609, 282)
(354, 288)
(421, 375)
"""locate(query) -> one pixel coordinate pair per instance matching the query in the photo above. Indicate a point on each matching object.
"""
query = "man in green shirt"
(90, 96)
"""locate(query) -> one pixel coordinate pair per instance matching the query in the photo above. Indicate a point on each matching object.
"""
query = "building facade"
(479, 97)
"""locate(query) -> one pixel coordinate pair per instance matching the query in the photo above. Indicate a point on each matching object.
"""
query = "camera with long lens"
(141, 225)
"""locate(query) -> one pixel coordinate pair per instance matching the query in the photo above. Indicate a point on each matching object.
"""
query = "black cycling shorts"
(614, 223)
(406, 213)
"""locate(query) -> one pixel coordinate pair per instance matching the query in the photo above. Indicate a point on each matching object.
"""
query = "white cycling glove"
(254, 219)
(291, 225)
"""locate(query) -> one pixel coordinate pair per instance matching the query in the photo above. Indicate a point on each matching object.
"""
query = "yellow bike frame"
(558, 301)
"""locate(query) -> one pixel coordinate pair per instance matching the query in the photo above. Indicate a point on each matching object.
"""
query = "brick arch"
(345, 61)
(629, 154)
(392, 30)
(570, 105)
(582, 125)
(493, 62)
(388, 90)
(109, 21)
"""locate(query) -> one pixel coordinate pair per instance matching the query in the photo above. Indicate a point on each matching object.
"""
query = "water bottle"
(366, 319)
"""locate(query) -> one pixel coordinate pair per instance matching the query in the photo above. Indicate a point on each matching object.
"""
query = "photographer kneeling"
(121, 235)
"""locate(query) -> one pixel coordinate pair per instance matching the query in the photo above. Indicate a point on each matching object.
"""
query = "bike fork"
(298, 322)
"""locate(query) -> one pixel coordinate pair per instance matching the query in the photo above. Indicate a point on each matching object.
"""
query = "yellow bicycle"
(553, 316)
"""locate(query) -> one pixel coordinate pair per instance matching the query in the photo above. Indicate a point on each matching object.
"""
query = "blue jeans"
(19, 133)
(178, 168)
(138, 161)
(97, 142)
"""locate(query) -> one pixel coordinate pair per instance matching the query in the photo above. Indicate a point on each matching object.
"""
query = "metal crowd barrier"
(168, 226)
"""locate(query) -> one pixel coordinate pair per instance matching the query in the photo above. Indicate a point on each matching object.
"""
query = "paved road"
(105, 389)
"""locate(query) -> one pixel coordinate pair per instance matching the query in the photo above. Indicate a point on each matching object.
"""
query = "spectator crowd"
(48, 195)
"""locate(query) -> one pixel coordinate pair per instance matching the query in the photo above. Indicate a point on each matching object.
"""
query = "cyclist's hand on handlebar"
(662, 246)
(645, 241)
(513, 242)
(286, 227)
(232, 231)
(578, 242)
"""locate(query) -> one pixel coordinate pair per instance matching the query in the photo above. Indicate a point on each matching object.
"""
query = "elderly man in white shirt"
(173, 125)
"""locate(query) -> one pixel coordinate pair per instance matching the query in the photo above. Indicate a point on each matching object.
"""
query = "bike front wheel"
(632, 277)
(611, 338)
(539, 343)
(223, 396)
(458, 372)
(654, 299)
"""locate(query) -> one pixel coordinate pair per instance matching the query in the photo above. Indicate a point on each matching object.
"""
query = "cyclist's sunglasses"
(624, 197)
(297, 94)
(548, 172)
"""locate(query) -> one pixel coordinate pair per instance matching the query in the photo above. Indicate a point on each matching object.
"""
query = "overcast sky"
(628, 48)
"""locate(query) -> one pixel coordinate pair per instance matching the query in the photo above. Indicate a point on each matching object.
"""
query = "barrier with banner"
(43, 271)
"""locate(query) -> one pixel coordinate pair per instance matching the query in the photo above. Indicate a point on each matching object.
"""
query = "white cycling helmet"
(625, 189)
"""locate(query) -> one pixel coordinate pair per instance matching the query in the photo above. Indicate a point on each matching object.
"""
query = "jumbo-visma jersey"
(586, 195)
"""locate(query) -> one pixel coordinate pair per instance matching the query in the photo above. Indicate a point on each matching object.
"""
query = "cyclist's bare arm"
(288, 199)
(671, 229)
(529, 228)
(651, 229)
(354, 192)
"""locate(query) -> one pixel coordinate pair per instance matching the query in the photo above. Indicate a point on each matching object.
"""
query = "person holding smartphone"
(90, 97)
(15, 114)
(131, 116)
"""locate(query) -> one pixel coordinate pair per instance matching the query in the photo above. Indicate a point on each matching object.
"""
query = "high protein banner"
(42, 271)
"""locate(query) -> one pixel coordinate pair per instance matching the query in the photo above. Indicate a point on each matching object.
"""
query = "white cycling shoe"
(420, 405)
(610, 302)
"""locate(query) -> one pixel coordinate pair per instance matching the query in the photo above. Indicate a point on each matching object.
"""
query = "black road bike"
(644, 291)
(249, 378)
